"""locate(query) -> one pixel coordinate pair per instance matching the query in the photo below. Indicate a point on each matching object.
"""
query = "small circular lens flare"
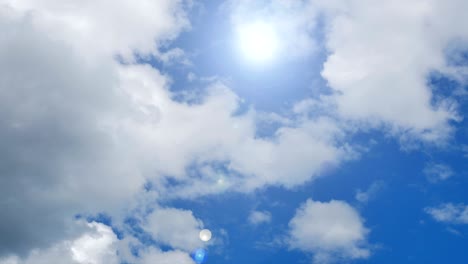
(205, 235)
(199, 256)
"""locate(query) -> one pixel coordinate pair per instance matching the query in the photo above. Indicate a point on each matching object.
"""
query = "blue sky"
(330, 132)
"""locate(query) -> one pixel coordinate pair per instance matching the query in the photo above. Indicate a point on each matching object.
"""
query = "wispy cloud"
(370, 193)
(449, 213)
(259, 217)
(436, 172)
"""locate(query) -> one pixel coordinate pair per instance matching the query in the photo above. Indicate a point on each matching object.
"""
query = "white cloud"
(300, 151)
(436, 172)
(96, 246)
(107, 27)
(174, 227)
(259, 217)
(382, 77)
(370, 193)
(330, 230)
(157, 256)
(99, 245)
(449, 213)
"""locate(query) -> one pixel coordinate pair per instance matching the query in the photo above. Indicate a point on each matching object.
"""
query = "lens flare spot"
(205, 235)
(199, 256)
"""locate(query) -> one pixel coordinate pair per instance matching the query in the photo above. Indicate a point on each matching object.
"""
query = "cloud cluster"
(68, 118)
(330, 230)
(98, 244)
(82, 132)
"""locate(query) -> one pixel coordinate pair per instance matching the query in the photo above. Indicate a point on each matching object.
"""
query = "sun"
(258, 41)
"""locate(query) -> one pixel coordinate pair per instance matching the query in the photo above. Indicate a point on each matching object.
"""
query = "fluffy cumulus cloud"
(383, 77)
(97, 245)
(332, 231)
(175, 228)
(158, 256)
(107, 27)
(300, 151)
(259, 217)
(95, 248)
(449, 213)
(65, 112)
(58, 156)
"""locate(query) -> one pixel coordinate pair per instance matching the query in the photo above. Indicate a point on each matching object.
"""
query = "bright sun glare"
(258, 41)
